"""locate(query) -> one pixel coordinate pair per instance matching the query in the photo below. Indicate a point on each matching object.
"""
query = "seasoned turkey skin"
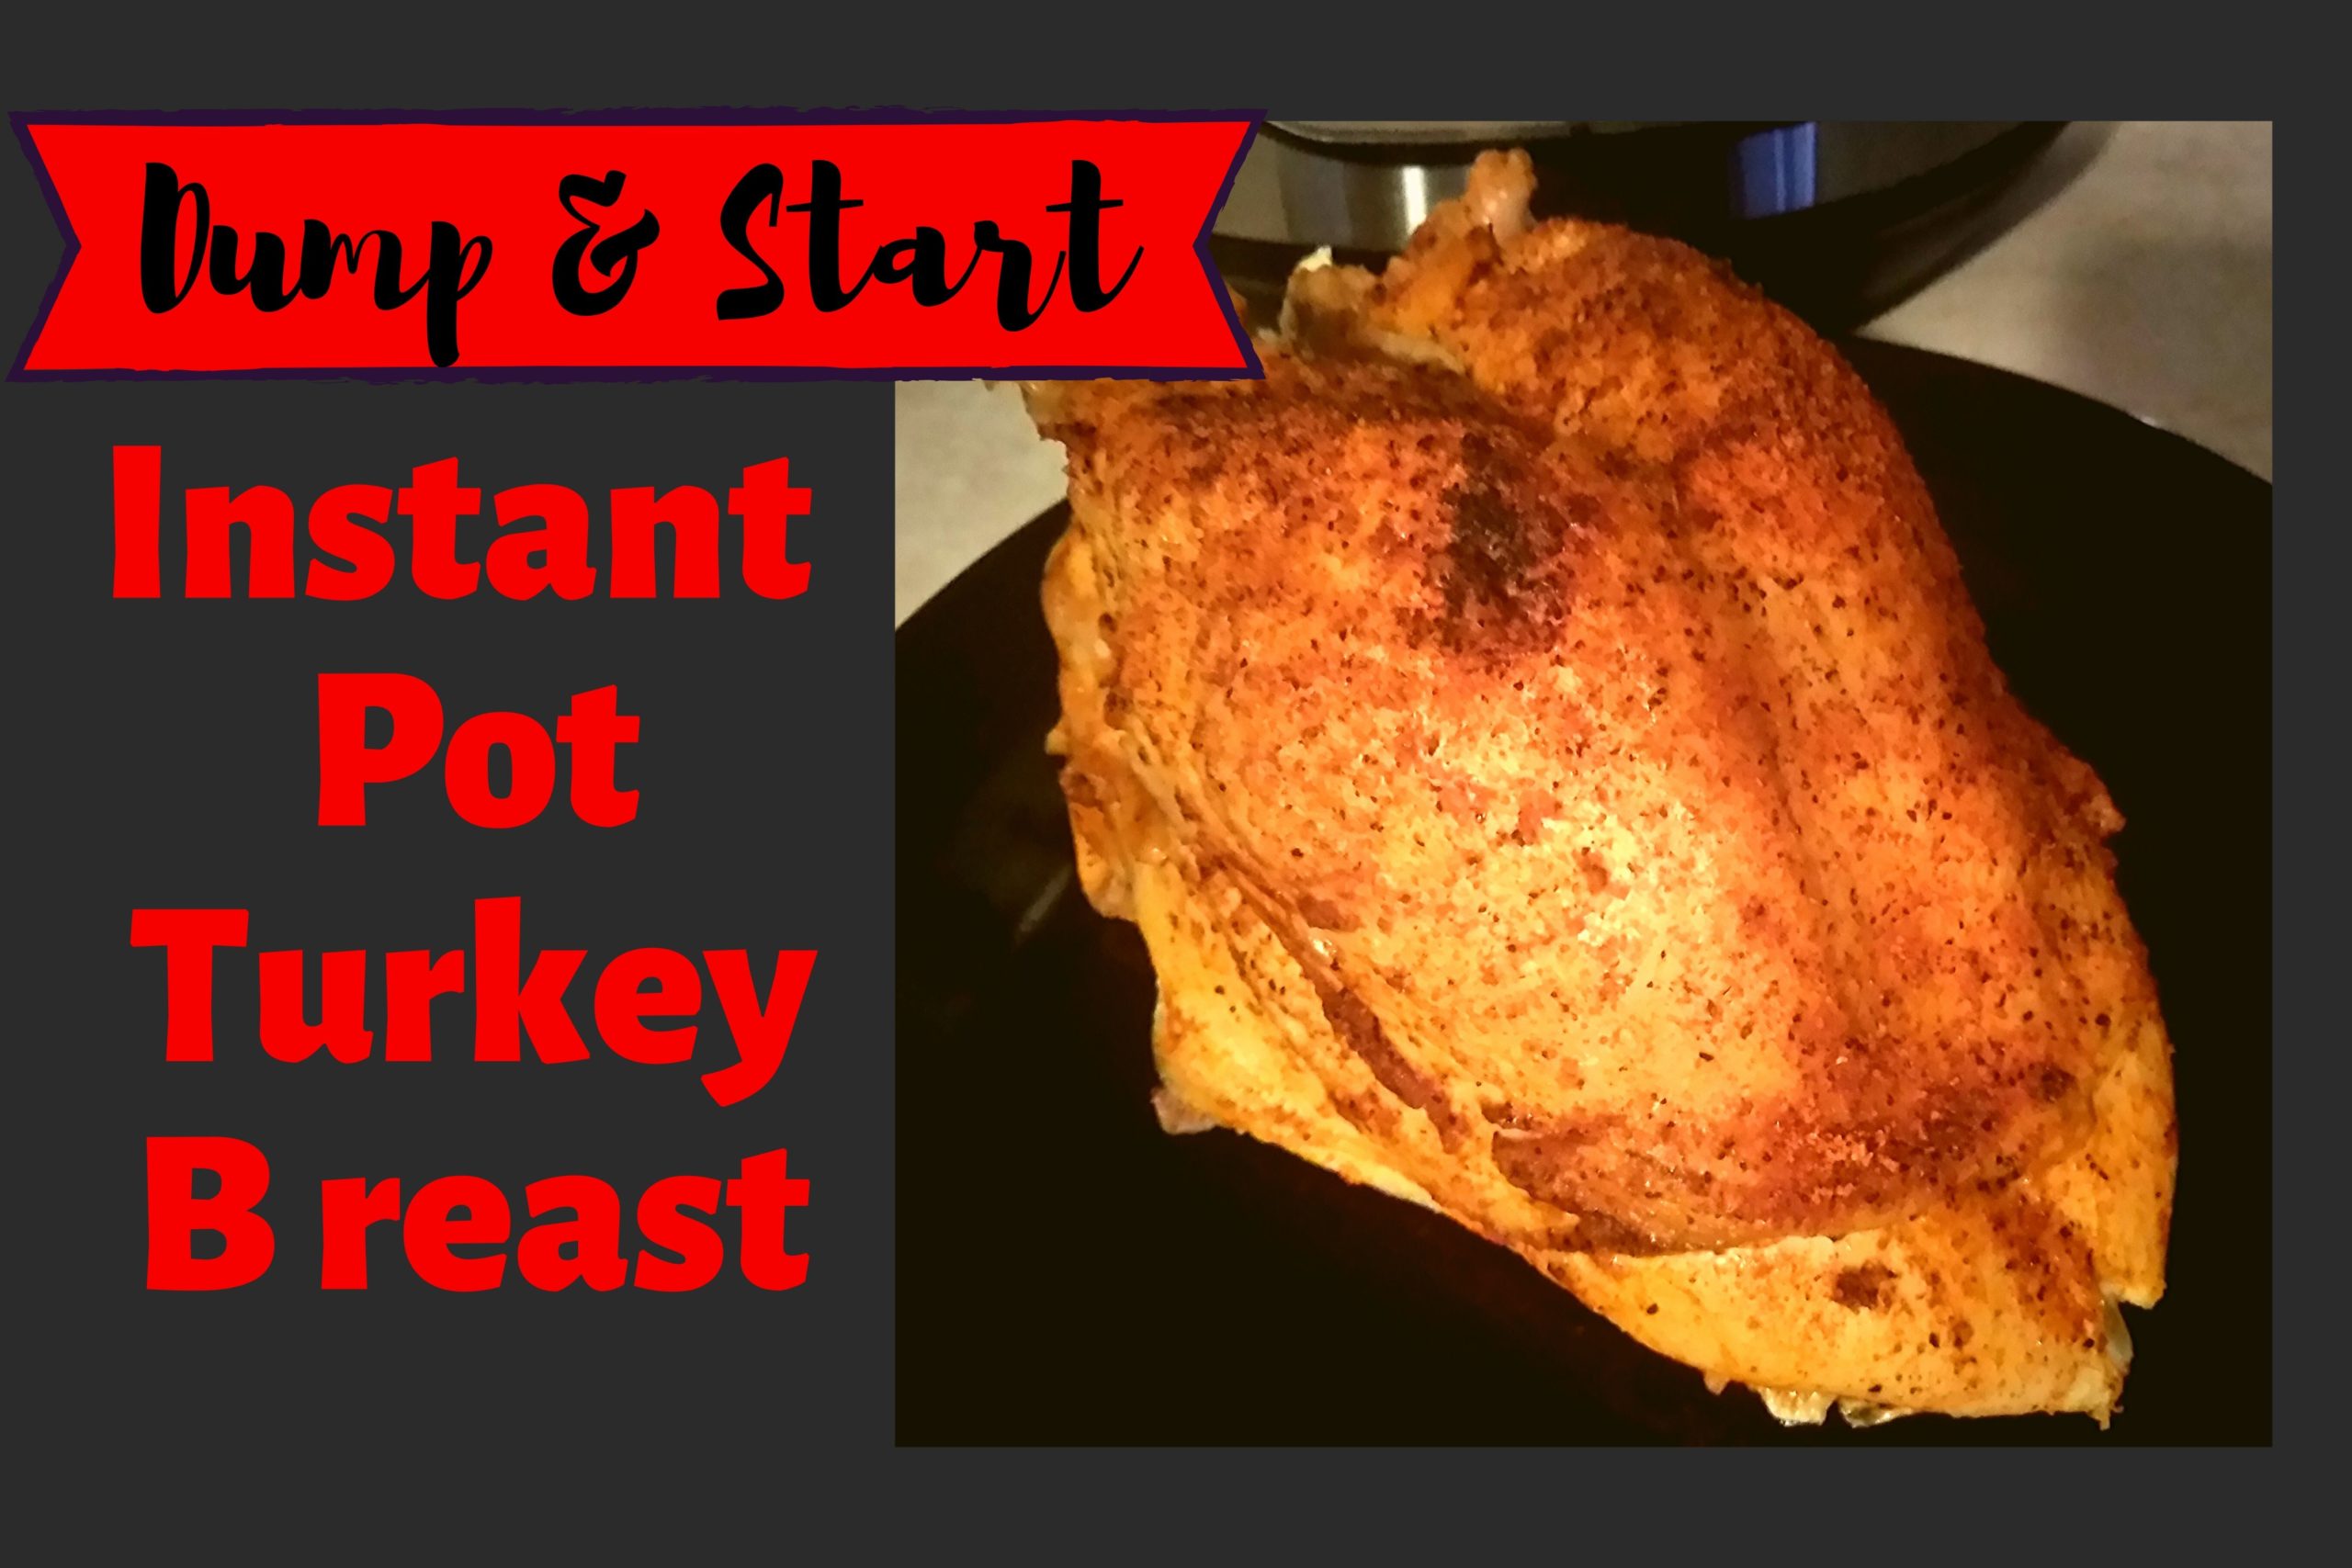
(1543, 736)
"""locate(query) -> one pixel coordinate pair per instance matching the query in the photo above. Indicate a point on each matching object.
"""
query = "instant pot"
(1836, 220)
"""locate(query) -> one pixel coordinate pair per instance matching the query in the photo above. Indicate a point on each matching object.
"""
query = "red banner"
(882, 246)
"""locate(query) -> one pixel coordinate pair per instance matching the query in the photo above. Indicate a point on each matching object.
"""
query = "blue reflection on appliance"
(1772, 171)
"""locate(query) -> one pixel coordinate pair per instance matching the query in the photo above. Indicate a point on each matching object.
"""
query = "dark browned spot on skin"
(1935, 1140)
(1501, 533)
(1324, 915)
(1606, 1233)
(1354, 1024)
(1538, 1163)
(1365, 1112)
(1962, 1334)
(1731, 428)
(1544, 1165)
(1865, 1287)
(2052, 1084)
(1595, 869)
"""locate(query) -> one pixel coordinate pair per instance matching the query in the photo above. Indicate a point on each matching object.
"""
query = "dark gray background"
(164, 754)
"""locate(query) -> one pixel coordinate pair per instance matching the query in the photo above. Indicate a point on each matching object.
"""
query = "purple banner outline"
(22, 122)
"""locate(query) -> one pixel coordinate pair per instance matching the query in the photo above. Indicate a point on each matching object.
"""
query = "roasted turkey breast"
(1544, 736)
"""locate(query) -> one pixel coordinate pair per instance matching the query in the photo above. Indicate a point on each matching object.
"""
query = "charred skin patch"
(1497, 572)
(1866, 1287)
(2052, 1083)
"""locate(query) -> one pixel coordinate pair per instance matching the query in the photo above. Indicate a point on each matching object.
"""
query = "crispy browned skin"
(1555, 712)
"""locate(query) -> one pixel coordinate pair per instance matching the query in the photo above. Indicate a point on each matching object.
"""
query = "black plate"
(1069, 1274)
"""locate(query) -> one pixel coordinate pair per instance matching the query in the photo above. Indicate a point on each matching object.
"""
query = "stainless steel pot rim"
(1365, 184)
